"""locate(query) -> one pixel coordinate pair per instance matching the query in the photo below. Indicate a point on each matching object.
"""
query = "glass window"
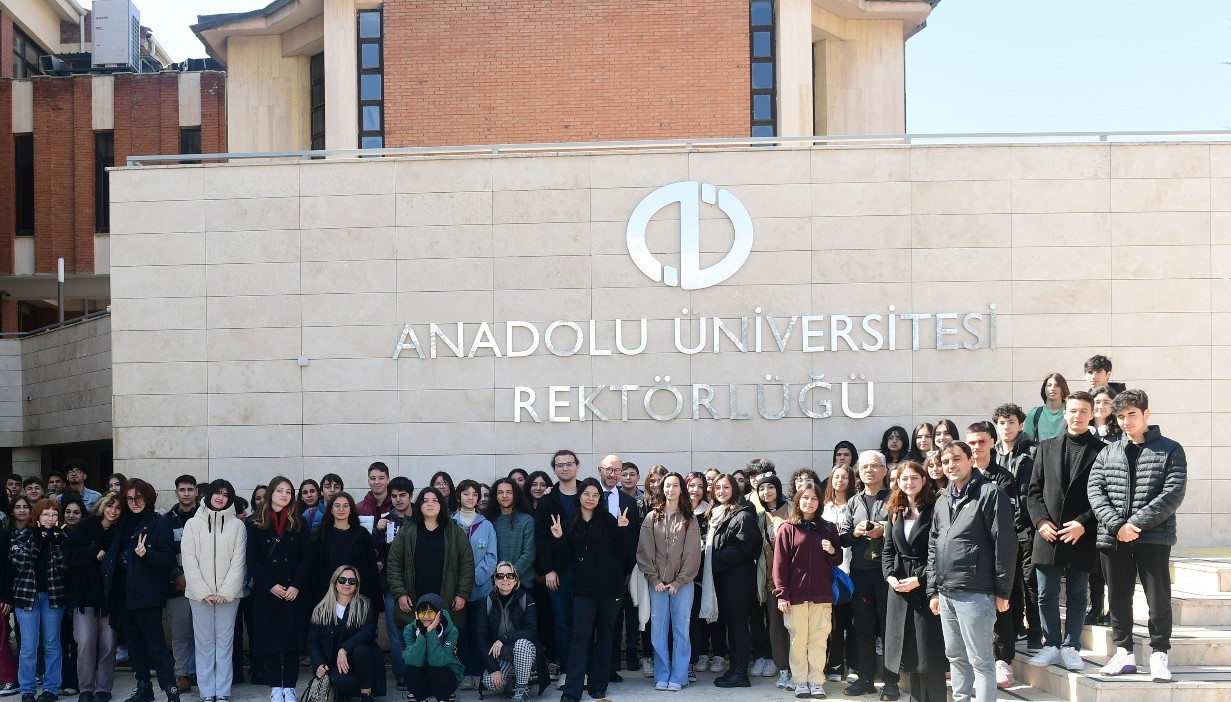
(23, 190)
(369, 24)
(762, 13)
(371, 118)
(762, 76)
(763, 130)
(316, 76)
(762, 46)
(370, 87)
(762, 62)
(104, 158)
(762, 107)
(373, 142)
(25, 56)
(369, 56)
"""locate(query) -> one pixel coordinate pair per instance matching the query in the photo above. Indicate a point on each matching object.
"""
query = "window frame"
(24, 219)
(104, 158)
(763, 126)
(371, 138)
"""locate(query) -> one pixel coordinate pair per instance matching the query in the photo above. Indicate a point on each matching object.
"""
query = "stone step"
(1201, 575)
(1190, 645)
(1188, 608)
(1190, 684)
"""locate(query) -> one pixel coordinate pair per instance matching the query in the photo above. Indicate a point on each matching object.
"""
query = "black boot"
(736, 676)
(173, 694)
(143, 692)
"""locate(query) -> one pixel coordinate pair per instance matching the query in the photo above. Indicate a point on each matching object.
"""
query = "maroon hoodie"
(803, 571)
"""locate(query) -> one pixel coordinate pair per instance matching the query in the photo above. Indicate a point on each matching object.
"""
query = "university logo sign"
(690, 194)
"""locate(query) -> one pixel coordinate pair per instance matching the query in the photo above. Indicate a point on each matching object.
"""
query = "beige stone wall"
(224, 275)
(10, 393)
(66, 383)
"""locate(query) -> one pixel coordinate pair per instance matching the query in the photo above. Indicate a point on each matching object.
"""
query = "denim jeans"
(967, 620)
(670, 616)
(1077, 593)
(562, 612)
(395, 639)
(39, 624)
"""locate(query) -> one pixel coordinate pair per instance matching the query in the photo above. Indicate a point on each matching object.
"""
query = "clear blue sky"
(1003, 65)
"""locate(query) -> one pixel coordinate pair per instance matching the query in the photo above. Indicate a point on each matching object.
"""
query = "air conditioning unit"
(117, 34)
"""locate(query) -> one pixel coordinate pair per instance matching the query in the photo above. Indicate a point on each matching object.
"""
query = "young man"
(377, 501)
(1064, 535)
(1015, 453)
(862, 530)
(1136, 486)
(609, 475)
(76, 471)
(971, 560)
(55, 484)
(630, 479)
(1098, 373)
(12, 485)
(33, 488)
(183, 647)
(560, 503)
(331, 485)
(400, 490)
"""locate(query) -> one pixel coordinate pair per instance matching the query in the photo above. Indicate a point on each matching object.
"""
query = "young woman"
(92, 628)
(842, 485)
(482, 536)
(432, 668)
(512, 517)
(805, 552)
(39, 598)
(342, 637)
(914, 643)
(945, 432)
(649, 494)
(485, 497)
(18, 512)
(72, 511)
(508, 628)
(116, 483)
(538, 484)
(310, 504)
(1104, 423)
(136, 571)
(280, 567)
(895, 445)
(733, 546)
(931, 466)
(341, 541)
(921, 440)
(1047, 420)
(215, 552)
(519, 476)
(443, 482)
(804, 476)
(708, 638)
(741, 482)
(776, 509)
(669, 556)
(259, 493)
(595, 541)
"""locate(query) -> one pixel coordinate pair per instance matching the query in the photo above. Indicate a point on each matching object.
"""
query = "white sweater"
(215, 549)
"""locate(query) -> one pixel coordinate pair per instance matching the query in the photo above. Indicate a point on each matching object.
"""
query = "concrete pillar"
(341, 75)
(795, 80)
(28, 461)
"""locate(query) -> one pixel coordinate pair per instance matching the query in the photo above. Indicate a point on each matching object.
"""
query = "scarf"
(278, 520)
(466, 517)
(709, 594)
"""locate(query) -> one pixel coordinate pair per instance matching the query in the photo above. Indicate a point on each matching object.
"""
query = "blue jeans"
(39, 624)
(671, 614)
(562, 613)
(396, 642)
(1077, 593)
(968, 620)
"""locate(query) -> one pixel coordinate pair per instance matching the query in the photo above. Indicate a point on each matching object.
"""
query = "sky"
(1001, 65)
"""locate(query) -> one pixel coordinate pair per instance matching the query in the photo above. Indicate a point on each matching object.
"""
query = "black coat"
(324, 641)
(1148, 498)
(85, 572)
(1049, 498)
(600, 553)
(279, 626)
(737, 545)
(523, 616)
(914, 642)
(353, 547)
(145, 578)
(6, 568)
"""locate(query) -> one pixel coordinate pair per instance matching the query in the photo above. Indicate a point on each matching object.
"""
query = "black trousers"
(735, 603)
(1098, 589)
(364, 662)
(706, 638)
(840, 649)
(1024, 599)
(282, 669)
(626, 622)
(147, 647)
(759, 628)
(927, 687)
(868, 610)
(1121, 568)
(590, 647)
(430, 681)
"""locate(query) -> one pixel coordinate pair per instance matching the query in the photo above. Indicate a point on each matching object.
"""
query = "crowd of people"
(931, 556)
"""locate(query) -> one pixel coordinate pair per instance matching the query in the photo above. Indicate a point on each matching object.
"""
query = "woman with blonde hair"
(342, 637)
(96, 638)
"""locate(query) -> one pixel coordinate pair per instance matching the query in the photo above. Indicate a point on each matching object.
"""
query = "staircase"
(1200, 645)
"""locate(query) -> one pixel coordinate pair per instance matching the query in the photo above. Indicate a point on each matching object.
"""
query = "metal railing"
(58, 325)
(688, 145)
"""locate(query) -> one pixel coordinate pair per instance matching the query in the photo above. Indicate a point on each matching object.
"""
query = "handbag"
(319, 690)
(843, 587)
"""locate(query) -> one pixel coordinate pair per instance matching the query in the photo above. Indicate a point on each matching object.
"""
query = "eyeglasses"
(343, 580)
(427, 613)
(611, 471)
(564, 464)
(506, 576)
(135, 499)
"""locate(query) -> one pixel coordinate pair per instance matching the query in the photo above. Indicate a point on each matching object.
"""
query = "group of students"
(929, 552)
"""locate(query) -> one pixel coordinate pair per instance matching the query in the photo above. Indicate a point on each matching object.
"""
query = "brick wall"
(213, 113)
(6, 45)
(54, 183)
(502, 71)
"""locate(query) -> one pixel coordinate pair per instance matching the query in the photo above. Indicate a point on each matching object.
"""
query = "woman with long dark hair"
(311, 504)
(914, 643)
(280, 566)
(843, 484)
(342, 636)
(18, 512)
(92, 629)
(40, 593)
(443, 482)
(340, 541)
(776, 509)
(1047, 420)
(116, 483)
(708, 638)
(136, 571)
(72, 512)
(944, 432)
(921, 444)
(538, 483)
(732, 547)
(519, 476)
(482, 537)
(512, 516)
(895, 445)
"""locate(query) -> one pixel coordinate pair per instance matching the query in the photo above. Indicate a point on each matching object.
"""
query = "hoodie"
(436, 648)
(214, 550)
(482, 536)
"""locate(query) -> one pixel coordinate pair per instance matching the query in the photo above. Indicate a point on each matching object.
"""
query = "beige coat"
(214, 549)
(669, 549)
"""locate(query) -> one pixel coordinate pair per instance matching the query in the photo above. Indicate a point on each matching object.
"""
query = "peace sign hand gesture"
(140, 550)
(556, 530)
(623, 520)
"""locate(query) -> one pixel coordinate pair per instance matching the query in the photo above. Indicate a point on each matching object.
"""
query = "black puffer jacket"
(737, 544)
(85, 571)
(973, 542)
(523, 617)
(1148, 497)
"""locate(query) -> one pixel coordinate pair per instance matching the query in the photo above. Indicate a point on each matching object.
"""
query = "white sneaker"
(784, 680)
(1160, 670)
(834, 677)
(275, 695)
(1071, 659)
(661, 686)
(560, 682)
(758, 666)
(647, 667)
(703, 663)
(801, 690)
(1122, 662)
(1050, 655)
(674, 687)
(817, 691)
(716, 664)
(770, 669)
(288, 694)
(1004, 674)
(880, 646)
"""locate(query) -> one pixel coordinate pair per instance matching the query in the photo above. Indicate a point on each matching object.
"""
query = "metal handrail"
(671, 144)
(58, 325)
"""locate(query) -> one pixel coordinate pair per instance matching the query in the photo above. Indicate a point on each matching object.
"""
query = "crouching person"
(507, 629)
(430, 652)
(342, 639)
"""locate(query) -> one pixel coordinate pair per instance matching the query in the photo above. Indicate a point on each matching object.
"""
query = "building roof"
(275, 18)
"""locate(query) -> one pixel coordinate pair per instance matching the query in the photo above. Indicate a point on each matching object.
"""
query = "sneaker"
(208, 699)
(288, 694)
(1122, 662)
(861, 687)
(70, 691)
(467, 683)
(1034, 645)
(757, 667)
(1050, 655)
(1004, 674)
(801, 690)
(10, 689)
(890, 692)
(852, 677)
(1160, 669)
(716, 664)
(521, 694)
(121, 654)
(553, 670)
(674, 687)
(615, 677)
(834, 677)
(816, 691)
(1071, 659)
(880, 646)
(784, 680)
(770, 669)
(647, 667)
(275, 695)
(46, 696)
(692, 674)
(703, 662)
(661, 686)
(561, 680)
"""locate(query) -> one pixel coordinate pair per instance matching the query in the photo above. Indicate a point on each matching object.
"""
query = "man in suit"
(1059, 508)
(609, 470)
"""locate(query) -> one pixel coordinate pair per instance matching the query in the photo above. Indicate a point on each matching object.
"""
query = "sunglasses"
(427, 613)
(343, 580)
(506, 576)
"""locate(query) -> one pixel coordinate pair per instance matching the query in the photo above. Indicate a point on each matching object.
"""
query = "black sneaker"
(27, 697)
(861, 687)
(46, 696)
(632, 662)
(86, 696)
(615, 678)
(10, 689)
(173, 694)
(890, 692)
(102, 697)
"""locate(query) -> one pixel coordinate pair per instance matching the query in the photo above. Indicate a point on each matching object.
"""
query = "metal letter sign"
(690, 194)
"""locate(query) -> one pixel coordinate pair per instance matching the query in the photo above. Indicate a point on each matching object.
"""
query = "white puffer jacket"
(215, 548)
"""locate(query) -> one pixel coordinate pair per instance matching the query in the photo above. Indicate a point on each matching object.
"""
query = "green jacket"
(458, 578)
(438, 650)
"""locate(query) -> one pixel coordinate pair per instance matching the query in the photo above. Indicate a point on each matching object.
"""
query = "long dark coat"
(914, 642)
(1049, 498)
(279, 626)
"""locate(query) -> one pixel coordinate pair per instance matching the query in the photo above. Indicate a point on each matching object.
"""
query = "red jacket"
(803, 571)
(369, 507)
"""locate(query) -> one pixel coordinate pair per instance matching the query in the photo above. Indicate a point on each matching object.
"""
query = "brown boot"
(184, 683)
